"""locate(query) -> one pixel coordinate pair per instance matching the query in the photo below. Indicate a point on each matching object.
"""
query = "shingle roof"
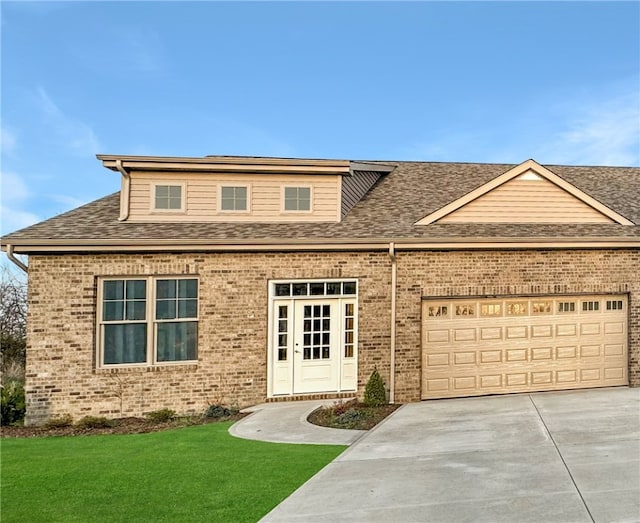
(388, 211)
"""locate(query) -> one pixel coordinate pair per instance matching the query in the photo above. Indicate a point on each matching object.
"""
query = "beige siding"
(265, 195)
(526, 201)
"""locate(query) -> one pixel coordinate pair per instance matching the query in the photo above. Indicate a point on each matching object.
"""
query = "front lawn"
(191, 474)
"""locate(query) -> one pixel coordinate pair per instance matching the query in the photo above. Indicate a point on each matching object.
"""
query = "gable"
(528, 193)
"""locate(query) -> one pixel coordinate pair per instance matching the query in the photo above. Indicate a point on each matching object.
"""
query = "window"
(329, 288)
(233, 199)
(349, 326)
(465, 310)
(566, 306)
(283, 330)
(437, 310)
(614, 305)
(168, 197)
(148, 320)
(541, 307)
(590, 306)
(297, 198)
(491, 309)
(517, 308)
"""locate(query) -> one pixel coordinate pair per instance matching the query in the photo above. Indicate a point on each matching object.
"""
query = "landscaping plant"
(375, 394)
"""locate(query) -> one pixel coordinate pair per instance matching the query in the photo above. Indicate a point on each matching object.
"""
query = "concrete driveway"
(559, 456)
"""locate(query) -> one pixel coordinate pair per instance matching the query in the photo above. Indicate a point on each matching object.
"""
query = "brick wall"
(232, 346)
(232, 336)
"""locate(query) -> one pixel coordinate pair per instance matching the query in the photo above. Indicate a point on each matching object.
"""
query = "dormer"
(239, 189)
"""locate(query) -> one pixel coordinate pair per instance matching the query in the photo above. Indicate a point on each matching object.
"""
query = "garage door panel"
(589, 329)
(438, 336)
(522, 345)
(514, 333)
(464, 334)
(491, 333)
(437, 360)
(614, 350)
(517, 355)
(563, 353)
(566, 329)
(465, 358)
(542, 353)
(540, 378)
(614, 327)
(541, 331)
(590, 351)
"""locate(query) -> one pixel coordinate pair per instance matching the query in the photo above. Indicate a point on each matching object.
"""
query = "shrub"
(96, 422)
(162, 415)
(12, 402)
(218, 411)
(375, 394)
(59, 422)
(340, 407)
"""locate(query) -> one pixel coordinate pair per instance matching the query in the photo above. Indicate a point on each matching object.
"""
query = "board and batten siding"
(523, 200)
(265, 197)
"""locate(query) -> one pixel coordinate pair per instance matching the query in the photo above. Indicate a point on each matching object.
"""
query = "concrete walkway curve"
(571, 456)
(287, 423)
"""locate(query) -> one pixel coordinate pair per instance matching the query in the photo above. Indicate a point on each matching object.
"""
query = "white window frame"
(296, 211)
(183, 197)
(150, 321)
(234, 211)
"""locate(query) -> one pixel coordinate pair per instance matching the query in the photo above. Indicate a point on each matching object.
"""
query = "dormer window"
(297, 199)
(234, 198)
(168, 197)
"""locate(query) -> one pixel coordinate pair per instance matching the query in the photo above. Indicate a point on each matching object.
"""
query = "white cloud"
(604, 133)
(68, 132)
(7, 140)
(13, 198)
(13, 188)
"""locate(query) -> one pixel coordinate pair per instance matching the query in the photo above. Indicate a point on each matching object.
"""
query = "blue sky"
(439, 81)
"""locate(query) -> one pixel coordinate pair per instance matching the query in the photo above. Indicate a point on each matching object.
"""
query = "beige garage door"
(494, 346)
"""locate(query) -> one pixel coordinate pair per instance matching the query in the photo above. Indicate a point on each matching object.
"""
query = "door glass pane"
(349, 287)
(283, 289)
(317, 289)
(299, 289)
(333, 288)
(317, 332)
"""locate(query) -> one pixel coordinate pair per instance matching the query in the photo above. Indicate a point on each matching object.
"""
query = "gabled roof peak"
(527, 171)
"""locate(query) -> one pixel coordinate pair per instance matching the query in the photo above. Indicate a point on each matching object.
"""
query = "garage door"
(494, 346)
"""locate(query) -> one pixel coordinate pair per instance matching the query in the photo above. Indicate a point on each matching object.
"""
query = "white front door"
(313, 345)
(316, 352)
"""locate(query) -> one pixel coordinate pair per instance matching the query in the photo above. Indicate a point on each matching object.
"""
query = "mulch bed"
(121, 426)
(350, 415)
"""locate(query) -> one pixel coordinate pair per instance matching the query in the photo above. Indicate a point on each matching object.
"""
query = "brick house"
(241, 280)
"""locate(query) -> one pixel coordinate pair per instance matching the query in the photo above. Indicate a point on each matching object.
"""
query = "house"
(242, 280)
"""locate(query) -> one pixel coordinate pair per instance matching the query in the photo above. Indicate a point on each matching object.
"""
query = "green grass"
(191, 474)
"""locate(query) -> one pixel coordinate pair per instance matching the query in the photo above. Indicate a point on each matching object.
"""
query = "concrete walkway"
(287, 423)
(549, 457)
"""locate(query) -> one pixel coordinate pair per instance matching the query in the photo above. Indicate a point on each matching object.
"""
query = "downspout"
(124, 193)
(15, 260)
(392, 359)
